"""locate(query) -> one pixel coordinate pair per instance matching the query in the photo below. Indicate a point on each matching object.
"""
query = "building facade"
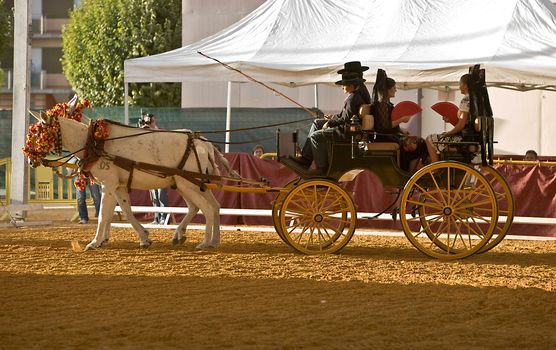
(48, 83)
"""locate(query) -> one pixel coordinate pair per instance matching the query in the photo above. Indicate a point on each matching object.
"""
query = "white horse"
(126, 145)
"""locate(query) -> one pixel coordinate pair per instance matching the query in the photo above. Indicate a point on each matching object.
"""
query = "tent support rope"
(313, 114)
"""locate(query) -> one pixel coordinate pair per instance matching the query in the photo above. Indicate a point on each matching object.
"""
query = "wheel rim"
(506, 205)
(317, 217)
(456, 210)
(277, 206)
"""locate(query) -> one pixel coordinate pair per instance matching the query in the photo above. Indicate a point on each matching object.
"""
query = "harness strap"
(197, 159)
(92, 150)
(130, 178)
(186, 153)
(126, 164)
(196, 178)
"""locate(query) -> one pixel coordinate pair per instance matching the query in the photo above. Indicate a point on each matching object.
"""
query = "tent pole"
(228, 117)
(126, 103)
(317, 96)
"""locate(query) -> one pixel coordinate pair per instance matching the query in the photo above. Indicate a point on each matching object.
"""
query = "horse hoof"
(203, 246)
(178, 241)
(146, 245)
(103, 243)
(90, 246)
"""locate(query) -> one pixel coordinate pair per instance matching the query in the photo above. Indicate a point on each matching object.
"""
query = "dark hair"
(382, 85)
(465, 78)
(390, 83)
(532, 152)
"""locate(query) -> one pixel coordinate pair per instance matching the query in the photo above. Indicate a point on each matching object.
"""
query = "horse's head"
(45, 136)
(42, 138)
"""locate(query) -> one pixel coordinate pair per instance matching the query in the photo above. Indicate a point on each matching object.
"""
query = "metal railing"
(6, 170)
(44, 185)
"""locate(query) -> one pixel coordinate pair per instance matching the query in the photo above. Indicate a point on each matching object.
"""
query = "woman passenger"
(412, 147)
(454, 135)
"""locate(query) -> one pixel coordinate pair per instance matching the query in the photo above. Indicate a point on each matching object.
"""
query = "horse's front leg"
(107, 205)
(125, 203)
(179, 235)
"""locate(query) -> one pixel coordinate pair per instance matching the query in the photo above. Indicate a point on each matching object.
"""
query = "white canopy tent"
(422, 43)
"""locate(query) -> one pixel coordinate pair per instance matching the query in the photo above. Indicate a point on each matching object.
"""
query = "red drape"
(533, 187)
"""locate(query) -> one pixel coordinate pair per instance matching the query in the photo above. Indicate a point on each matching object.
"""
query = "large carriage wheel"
(506, 206)
(453, 210)
(317, 217)
(277, 206)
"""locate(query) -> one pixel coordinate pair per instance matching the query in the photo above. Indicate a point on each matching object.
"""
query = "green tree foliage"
(6, 20)
(102, 34)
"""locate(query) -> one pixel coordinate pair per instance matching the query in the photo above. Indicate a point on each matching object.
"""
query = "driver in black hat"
(315, 147)
(356, 67)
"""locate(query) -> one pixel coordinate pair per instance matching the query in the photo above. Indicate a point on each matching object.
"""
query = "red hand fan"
(405, 108)
(448, 110)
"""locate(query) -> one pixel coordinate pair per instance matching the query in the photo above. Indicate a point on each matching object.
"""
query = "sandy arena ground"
(254, 292)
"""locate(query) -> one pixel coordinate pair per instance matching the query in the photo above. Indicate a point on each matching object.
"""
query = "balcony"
(41, 81)
(48, 27)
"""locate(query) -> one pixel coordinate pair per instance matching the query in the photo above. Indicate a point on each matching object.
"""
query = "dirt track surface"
(254, 292)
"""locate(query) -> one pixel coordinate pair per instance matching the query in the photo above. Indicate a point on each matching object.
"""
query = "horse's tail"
(231, 172)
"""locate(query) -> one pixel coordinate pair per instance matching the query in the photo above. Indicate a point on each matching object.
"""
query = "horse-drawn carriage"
(448, 210)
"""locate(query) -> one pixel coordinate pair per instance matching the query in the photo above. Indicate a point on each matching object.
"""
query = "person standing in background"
(258, 151)
(94, 188)
(159, 196)
(531, 156)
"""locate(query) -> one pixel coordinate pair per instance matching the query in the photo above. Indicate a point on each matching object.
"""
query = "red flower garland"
(42, 138)
(101, 129)
(81, 182)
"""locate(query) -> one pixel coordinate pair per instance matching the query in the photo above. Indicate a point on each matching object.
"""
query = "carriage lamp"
(354, 125)
(355, 131)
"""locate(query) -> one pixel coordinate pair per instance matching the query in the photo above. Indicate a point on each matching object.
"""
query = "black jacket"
(351, 107)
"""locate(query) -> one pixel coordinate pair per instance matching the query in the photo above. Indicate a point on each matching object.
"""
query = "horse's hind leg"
(179, 235)
(209, 208)
(215, 228)
(123, 199)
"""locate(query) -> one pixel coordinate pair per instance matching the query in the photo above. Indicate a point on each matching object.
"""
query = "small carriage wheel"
(457, 210)
(318, 217)
(506, 205)
(277, 206)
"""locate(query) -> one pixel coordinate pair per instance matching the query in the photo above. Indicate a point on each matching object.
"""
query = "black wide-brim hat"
(353, 66)
(350, 78)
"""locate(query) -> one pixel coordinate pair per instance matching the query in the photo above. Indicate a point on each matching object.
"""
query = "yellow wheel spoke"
(460, 235)
(426, 204)
(310, 238)
(434, 180)
(476, 192)
(331, 205)
(326, 231)
(428, 221)
(427, 193)
(471, 205)
(336, 219)
(437, 234)
(472, 231)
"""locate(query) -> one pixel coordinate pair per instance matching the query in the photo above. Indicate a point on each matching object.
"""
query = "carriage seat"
(367, 125)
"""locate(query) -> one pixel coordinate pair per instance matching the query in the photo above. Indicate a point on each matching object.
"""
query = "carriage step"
(299, 169)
